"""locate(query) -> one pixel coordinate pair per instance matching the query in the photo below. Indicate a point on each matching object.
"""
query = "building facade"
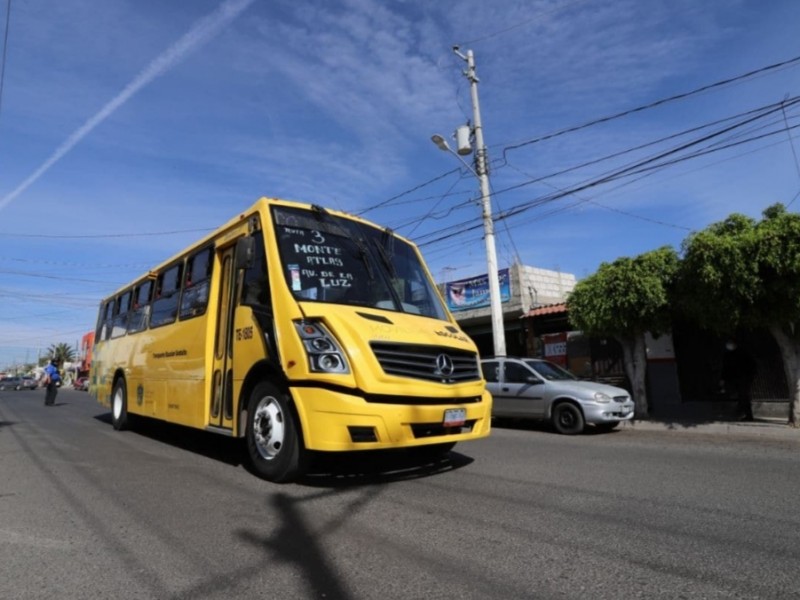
(522, 288)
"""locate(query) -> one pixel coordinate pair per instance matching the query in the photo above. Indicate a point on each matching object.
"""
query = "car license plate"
(454, 417)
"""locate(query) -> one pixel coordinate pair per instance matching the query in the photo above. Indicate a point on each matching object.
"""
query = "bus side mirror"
(245, 253)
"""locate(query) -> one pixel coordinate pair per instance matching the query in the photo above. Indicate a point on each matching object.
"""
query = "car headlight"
(601, 397)
(323, 351)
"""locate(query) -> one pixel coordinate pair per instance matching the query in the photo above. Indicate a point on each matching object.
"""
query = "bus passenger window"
(196, 284)
(141, 307)
(104, 326)
(165, 306)
(120, 322)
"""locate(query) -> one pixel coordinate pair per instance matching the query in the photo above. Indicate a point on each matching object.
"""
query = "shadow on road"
(543, 426)
(327, 470)
(216, 447)
(353, 469)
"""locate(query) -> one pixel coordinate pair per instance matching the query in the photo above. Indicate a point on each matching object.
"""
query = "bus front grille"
(431, 363)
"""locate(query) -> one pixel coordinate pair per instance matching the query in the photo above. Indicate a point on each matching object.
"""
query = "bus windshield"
(326, 258)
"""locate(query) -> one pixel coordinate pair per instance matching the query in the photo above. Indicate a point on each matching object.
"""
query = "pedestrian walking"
(52, 379)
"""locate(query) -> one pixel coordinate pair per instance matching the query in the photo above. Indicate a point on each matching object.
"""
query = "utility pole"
(482, 172)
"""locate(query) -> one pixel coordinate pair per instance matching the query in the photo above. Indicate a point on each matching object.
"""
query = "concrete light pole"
(481, 171)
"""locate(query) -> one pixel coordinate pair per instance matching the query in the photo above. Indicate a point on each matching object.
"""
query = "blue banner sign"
(467, 294)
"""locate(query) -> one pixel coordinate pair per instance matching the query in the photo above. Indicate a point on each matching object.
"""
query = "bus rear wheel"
(119, 406)
(274, 445)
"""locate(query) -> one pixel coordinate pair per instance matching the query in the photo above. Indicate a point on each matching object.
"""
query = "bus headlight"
(323, 351)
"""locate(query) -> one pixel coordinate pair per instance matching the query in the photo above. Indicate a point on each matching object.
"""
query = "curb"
(761, 427)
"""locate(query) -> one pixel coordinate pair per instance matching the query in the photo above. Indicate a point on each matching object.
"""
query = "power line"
(791, 139)
(663, 101)
(735, 122)
(103, 235)
(647, 165)
(521, 24)
(57, 277)
(58, 263)
(5, 52)
(604, 119)
(401, 194)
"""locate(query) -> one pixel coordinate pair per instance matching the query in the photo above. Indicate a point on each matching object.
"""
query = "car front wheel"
(568, 419)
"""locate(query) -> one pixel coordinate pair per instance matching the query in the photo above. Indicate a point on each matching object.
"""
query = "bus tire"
(119, 406)
(274, 444)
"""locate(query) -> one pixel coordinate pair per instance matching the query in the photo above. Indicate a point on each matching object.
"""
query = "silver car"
(538, 389)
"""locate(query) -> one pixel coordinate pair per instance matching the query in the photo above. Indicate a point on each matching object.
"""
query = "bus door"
(221, 414)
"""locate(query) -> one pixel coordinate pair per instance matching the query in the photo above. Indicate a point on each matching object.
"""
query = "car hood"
(588, 387)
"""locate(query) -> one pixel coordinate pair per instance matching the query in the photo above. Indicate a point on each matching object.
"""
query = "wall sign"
(467, 294)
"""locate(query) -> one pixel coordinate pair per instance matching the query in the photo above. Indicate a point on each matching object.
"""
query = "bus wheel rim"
(117, 403)
(268, 428)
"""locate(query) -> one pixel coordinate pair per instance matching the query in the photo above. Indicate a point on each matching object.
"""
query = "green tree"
(746, 273)
(62, 352)
(624, 300)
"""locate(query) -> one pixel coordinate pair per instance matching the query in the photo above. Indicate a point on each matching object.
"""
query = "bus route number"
(244, 333)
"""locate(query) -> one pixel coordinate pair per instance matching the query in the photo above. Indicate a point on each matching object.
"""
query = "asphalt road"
(160, 512)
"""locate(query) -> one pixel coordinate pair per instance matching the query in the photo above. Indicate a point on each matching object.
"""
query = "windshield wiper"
(363, 253)
(385, 259)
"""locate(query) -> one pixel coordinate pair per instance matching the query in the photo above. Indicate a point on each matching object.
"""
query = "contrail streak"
(202, 32)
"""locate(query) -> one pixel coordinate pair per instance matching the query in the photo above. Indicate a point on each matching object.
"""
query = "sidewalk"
(771, 427)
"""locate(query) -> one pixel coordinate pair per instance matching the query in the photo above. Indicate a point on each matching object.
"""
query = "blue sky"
(130, 127)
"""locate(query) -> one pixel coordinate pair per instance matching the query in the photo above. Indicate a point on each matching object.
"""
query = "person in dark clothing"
(738, 372)
(52, 379)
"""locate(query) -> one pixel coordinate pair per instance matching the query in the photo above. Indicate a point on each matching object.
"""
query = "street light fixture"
(442, 144)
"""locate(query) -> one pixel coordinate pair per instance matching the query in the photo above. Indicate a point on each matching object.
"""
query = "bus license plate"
(455, 417)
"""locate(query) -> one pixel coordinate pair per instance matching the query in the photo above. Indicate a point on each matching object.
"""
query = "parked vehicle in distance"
(11, 383)
(81, 383)
(529, 388)
(29, 383)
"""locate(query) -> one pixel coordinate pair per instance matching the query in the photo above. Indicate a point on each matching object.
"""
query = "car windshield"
(327, 258)
(550, 371)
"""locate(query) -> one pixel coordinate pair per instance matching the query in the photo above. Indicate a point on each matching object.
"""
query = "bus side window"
(121, 307)
(255, 284)
(141, 307)
(104, 325)
(165, 305)
(196, 283)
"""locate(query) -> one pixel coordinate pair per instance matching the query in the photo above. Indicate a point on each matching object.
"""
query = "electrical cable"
(644, 166)
(103, 235)
(650, 105)
(5, 53)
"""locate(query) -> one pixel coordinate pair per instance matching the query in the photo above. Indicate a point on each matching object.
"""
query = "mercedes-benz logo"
(444, 365)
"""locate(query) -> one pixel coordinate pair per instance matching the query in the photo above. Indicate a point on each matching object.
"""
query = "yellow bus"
(299, 329)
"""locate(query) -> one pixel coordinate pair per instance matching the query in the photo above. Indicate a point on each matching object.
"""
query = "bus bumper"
(334, 421)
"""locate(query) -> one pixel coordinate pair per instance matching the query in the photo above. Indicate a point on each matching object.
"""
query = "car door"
(521, 391)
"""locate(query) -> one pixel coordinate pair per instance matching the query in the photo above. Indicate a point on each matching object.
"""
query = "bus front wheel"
(119, 406)
(274, 445)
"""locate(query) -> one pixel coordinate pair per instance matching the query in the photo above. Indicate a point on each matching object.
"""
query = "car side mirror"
(533, 380)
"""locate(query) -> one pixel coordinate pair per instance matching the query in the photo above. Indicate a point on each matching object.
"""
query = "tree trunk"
(635, 355)
(789, 345)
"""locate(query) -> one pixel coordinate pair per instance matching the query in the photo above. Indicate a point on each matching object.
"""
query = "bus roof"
(262, 204)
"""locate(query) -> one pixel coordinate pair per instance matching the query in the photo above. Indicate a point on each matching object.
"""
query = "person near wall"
(738, 373)
(52, 379)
